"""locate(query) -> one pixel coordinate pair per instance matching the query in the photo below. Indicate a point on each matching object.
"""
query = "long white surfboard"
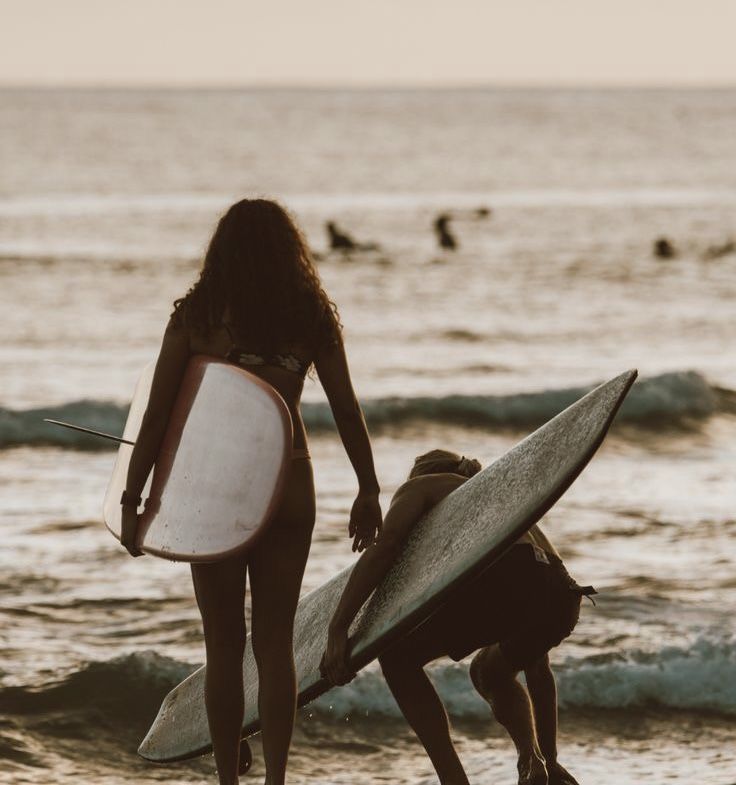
(454, 543)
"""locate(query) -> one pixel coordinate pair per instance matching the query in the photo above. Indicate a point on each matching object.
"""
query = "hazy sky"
(359, 42)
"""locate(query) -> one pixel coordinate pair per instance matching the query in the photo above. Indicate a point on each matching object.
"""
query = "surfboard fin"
(81, 428)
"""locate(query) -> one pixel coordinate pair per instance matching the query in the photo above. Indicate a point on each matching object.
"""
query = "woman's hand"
(365, 520)
(129, 529)
(334, 664)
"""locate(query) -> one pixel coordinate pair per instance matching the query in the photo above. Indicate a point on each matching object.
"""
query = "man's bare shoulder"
(430, 487)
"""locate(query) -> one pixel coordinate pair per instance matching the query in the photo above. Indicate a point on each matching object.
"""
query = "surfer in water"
(258, 303)
(511, 615)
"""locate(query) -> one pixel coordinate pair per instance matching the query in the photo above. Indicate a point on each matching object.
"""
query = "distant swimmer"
(518, 609)
(664, 249)
(445, 237)
(340, 241)
(717, 251)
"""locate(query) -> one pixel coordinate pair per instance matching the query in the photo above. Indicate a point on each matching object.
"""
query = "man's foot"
(560, 776)
(532, 771)
(246, 757)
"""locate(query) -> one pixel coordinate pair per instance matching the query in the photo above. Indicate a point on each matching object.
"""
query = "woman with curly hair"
(260, 304)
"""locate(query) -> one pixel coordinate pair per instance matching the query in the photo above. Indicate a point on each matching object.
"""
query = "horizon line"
(317, 85)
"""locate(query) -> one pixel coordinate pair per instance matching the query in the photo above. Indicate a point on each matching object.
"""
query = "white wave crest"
(664, 401)
(699, 678)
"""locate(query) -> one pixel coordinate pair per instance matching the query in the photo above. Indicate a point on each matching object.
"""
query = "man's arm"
(410, 502)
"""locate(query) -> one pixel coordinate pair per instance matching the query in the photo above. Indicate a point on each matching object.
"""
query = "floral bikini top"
(287, 361)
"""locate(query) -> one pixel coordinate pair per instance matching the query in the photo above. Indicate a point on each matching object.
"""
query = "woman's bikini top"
(287, 361)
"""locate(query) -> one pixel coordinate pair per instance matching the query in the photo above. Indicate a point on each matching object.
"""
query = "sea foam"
(698, 678)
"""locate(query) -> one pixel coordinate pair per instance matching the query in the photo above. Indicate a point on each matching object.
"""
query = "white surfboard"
(220, 471)
(455, 542)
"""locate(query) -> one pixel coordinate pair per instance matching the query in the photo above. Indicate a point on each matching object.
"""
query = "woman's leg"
(403, 669)
(276, 568)
(220, 592)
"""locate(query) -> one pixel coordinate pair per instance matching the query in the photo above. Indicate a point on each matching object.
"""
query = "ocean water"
(107, 199)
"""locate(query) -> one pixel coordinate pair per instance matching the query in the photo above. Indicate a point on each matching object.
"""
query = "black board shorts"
(526, 601)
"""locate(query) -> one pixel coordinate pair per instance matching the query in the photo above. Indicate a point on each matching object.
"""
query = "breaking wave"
(125, 688)
(27, 428)
(699, 678)
(669, 400)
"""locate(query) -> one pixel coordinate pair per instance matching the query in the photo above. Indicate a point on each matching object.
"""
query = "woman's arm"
(410, 502)
(332, 369)
(172, 361)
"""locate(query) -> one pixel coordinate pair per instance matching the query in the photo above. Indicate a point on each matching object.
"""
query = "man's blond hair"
(442, 461)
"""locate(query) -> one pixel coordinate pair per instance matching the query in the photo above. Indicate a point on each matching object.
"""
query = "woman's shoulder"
(328, 329)
(177, 330)
(213, 341)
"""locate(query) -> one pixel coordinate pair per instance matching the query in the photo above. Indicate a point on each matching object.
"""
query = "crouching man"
(511, 615)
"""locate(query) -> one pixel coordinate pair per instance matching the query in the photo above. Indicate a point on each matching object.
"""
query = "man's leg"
(495, 679)
(540, 682)
(421, 706)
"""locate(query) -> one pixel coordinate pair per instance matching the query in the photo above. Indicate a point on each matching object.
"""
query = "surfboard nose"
(620, 384)
(617, 388)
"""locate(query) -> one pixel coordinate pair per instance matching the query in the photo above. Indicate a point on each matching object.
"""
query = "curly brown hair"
(258, 274)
